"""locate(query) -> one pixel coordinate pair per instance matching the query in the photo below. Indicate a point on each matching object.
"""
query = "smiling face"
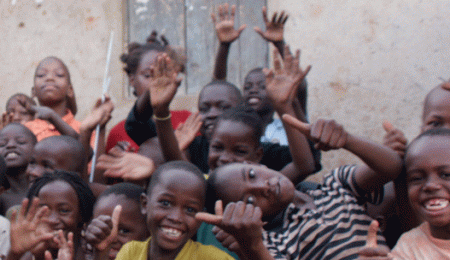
(171, 207)
(255, 184)
(132, 224)
(16, 145)
(212, 102)
(64, 210)
(254, 91)
(140, 81)
(233, 142)
(52, 82)
(428, 182)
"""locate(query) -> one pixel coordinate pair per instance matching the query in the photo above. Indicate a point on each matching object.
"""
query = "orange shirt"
(43, 129)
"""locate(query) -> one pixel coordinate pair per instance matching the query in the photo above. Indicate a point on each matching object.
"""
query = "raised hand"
(372, 251)
(327, 134)
(282, 81)
(66, 249)
(100, 114)
(102, 230)
(394, 139)
(186, 132)
(225, 24)
(274, 27)
(164, 84)
(28, 228)
(126, 165)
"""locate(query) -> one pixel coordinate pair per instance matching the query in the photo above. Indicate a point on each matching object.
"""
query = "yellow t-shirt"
(136, 250)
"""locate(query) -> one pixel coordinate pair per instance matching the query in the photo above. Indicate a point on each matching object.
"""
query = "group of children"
(227, 183)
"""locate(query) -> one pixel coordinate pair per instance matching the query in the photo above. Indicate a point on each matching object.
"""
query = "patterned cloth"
(335, 229)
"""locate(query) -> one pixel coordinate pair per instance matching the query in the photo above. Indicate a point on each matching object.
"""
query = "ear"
(33, 92)
(70, 92)
(144, 201)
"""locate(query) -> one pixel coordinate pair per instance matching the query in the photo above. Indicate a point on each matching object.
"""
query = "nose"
(432, 184)
(34, 171)
(16, 118)
(53, 219)
(176, 214)
(11, 143)
(213, 113)
(226, 157)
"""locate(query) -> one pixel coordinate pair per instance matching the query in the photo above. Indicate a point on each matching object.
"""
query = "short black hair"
(11, 98)
(235, 90)
(174, 165)
(86, 198)
(72, 146)
(246, 115)
(129, 190)
(25, 129)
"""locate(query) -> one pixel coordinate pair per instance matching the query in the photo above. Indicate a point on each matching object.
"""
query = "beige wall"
(372, 60)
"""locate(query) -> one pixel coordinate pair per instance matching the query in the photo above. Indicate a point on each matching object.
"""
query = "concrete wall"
(371, 60)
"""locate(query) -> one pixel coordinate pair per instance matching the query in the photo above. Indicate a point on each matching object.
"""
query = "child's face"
(255, 184)
(16, 146)
(62, 202)
(140, 81)
(428, 180)
(51, 82)
(254, 91)
(437, 110)
(20, 113)
(132, 224)
(171, 207)
(232, 142)
(212, 102)
(47, 158)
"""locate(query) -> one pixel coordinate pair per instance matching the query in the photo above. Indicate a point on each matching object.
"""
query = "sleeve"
(140, 128)
(345, 175)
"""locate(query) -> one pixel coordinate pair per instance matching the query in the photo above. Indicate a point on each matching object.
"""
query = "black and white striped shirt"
(336, 229)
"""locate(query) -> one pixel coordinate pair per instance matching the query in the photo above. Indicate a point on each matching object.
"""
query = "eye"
(247, 86)
(217, 147)
(165, 203)
(241, 152)
(224, 106)
(414, 177)
(64, 210)
(191, 210)
(21, 140)
(445, 175)
(203, 109)
(3, 142)
(124, 231)
(251, 174)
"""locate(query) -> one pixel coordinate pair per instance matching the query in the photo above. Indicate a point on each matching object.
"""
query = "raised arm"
(281, 86)
(382, 164)
(227, 34)
(162, 91)
(274, 29)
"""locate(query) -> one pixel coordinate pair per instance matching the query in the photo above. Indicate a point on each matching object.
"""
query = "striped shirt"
(335, 229)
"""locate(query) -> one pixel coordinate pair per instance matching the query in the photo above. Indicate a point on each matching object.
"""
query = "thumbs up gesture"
(102, 230)
(394, 139)
(372, 251)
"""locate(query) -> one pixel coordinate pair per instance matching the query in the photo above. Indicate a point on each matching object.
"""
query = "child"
(428, 187)
(15, 107)
(53, 89)
(131, 226)
(325, 223)
(175, 194)
(16, 146)
(66, 204)
(4, 222)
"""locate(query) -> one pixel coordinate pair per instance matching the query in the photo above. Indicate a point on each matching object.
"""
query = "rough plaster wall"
(371, 60)
(75, 31)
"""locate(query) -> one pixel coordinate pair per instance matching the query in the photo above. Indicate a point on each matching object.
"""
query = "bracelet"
(162, 118)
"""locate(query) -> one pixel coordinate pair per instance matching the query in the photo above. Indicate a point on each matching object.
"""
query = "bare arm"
(281, 87)
(382, 164)
(226, 34)
(46, 113)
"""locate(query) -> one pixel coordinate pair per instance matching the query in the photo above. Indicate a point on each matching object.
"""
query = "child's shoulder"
(133, 250)
(196, 250)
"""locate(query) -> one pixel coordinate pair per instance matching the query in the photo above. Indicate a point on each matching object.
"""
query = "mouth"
(172, 233)
(253, 101)
(434, 205)
(11, 156)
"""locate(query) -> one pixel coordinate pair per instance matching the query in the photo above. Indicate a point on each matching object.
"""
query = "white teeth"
(436, 204)
(11, 155)
(210, 126)
(253, 100)
(171, 232)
